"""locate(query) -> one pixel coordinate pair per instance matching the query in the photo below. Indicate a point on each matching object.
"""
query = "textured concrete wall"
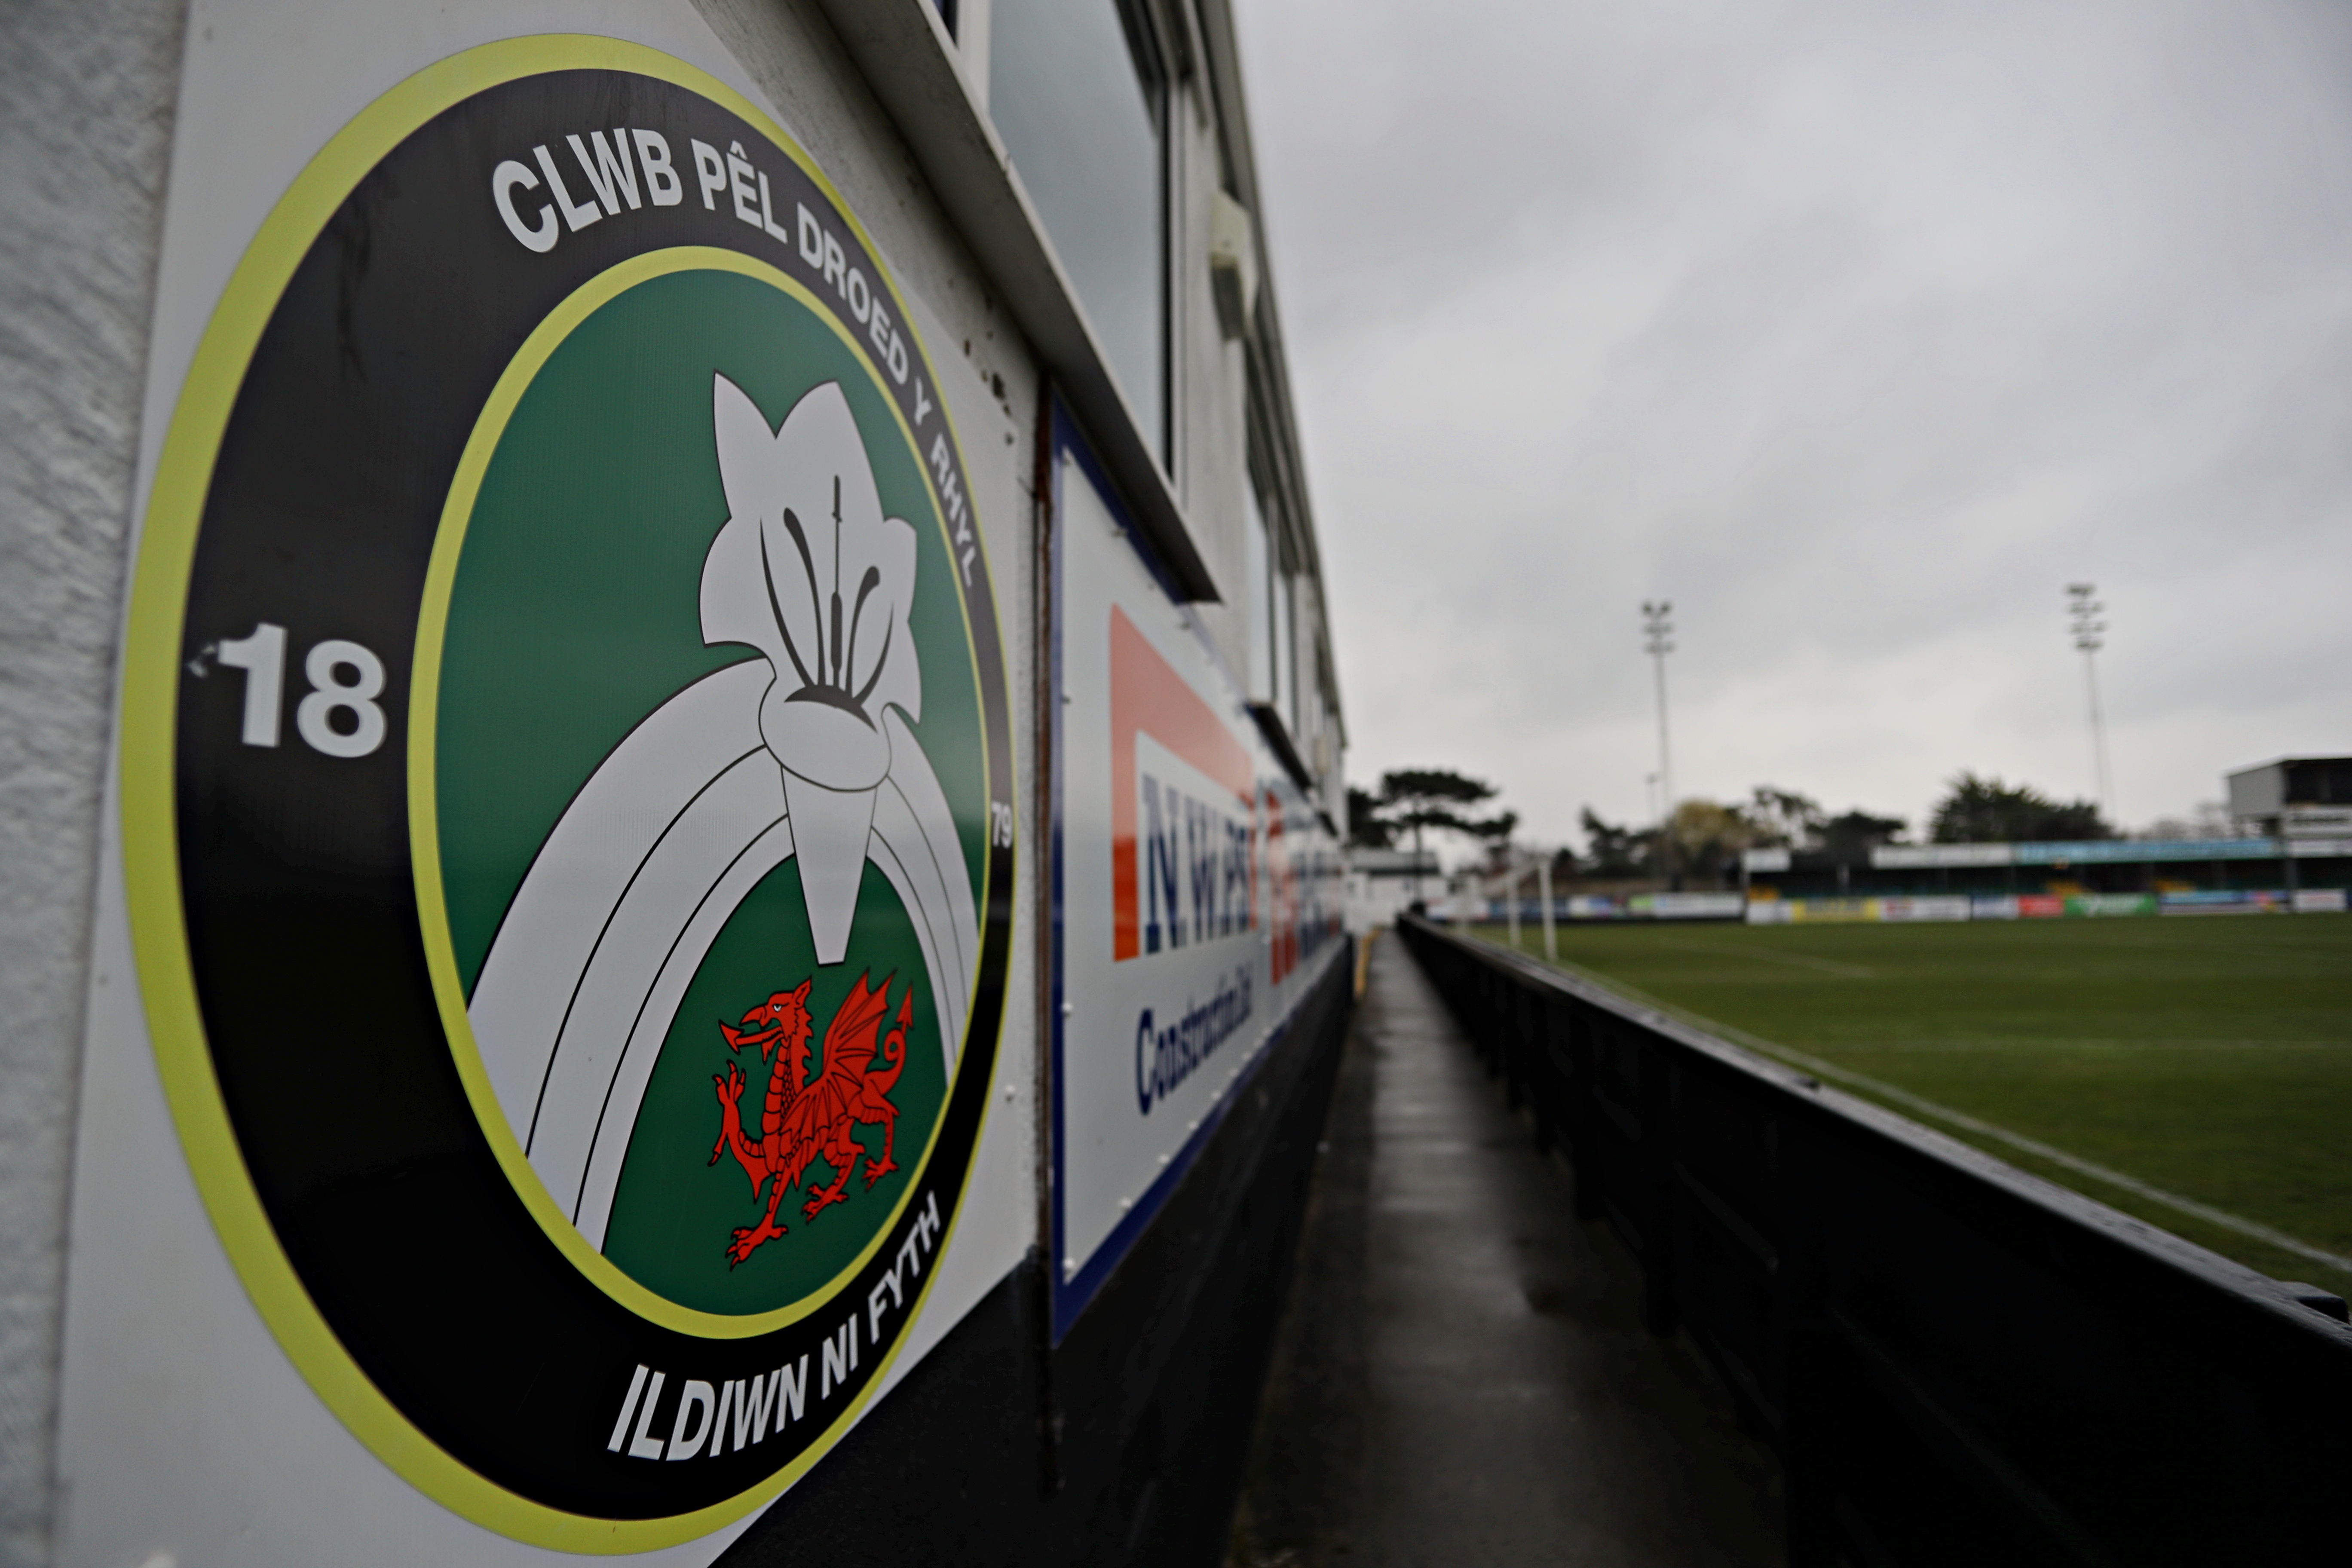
(87, 89)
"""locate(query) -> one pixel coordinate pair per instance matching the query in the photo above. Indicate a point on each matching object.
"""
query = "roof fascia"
(911, 64)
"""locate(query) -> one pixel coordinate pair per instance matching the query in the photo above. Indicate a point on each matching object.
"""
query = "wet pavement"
(1462, 1376)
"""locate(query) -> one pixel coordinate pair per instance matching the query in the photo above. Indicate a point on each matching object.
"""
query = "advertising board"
(1914, 856)
(1855, 911)
(2224, 901)
(1831, 912)
(1687, 906)
(2320, 849)
(2105, 851)
(1197, 890)
(2136, 851)
(2101, 906)
(1930, 907)
(2035, 906)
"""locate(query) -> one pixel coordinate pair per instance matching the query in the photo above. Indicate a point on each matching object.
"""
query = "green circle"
(576, 613)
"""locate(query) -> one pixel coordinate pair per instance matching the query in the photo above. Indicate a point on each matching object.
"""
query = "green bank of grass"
(2211, 1058)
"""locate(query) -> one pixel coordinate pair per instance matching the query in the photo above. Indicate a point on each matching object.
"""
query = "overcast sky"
(1858, 330)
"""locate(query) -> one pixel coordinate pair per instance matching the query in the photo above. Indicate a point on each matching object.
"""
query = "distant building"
(1383, 883)
(2291, 850)
(2295, 797)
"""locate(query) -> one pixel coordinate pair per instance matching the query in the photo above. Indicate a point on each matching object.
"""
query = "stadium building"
(2295, 855)
(2295, 797)
(670, 856)
(2010, 881)
(1384, 883)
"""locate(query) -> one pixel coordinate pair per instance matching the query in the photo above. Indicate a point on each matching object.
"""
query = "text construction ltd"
(1166, 1056)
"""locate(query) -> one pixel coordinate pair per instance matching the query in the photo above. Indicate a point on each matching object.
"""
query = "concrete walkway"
(1461, 1376)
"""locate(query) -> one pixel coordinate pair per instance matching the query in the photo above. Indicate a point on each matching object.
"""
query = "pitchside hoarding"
(1197, 890)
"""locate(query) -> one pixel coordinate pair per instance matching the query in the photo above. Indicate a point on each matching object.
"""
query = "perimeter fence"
(1956, 1362)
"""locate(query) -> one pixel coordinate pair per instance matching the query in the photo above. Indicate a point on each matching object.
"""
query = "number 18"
(262, 656)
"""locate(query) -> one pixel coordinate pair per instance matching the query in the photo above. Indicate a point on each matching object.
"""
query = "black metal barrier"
(1956, 1362)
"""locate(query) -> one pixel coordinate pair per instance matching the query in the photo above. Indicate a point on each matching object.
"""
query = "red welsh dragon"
(809, 1119)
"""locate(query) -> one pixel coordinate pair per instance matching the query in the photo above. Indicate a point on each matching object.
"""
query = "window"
(1310, 702)
(1077, 95)
(1285, 652)
(1259, 602)
(1272, 620)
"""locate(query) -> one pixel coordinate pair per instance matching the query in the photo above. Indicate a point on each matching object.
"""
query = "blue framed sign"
(1196, 887)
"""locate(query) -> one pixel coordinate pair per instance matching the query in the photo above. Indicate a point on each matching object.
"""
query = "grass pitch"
(2208, 1059)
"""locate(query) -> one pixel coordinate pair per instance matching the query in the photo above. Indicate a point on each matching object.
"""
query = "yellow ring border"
(424, 803)
(148, 725)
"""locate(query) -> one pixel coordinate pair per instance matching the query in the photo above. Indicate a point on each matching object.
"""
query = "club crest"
(641, 680)
(802, 760)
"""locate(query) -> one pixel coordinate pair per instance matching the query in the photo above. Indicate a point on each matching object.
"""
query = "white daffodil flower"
(809, 571)
(807, 752)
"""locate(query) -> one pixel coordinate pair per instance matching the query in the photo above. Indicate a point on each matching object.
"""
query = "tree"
(1366, 829)
(1421, 798)
(1616, 852)
(2206, 819)
(1708, 836)
(1779, 818)
(2073, 821)
(1986, 810)
(1852, 836)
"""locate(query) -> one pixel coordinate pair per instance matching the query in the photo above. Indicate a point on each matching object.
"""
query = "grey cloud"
(1858, 330)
